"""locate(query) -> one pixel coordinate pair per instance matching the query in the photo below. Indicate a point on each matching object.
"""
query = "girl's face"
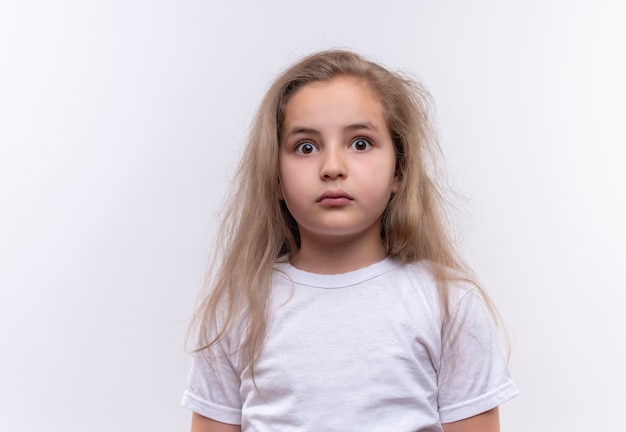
(337, 162)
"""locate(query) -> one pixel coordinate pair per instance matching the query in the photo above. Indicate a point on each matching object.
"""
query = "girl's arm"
(200, 423)
(489, 421)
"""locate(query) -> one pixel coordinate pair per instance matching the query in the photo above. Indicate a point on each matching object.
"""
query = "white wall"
(120, 122)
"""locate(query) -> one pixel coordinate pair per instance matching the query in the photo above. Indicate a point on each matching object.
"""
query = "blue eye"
(361, 144)
(305, 147)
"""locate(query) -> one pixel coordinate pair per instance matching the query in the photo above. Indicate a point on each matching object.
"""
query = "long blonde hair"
(257, 229)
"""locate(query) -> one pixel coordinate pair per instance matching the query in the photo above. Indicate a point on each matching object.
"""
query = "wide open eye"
(305, 148)
(360, 144)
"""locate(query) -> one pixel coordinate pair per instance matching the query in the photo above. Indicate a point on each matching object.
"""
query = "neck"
(335, 256)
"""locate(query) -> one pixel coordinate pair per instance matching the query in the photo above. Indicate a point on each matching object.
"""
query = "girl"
(338, 302)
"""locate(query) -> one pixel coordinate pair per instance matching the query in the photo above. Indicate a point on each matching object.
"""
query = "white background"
(121, 121)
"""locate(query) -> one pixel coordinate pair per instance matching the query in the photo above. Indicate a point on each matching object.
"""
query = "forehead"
(333, 103)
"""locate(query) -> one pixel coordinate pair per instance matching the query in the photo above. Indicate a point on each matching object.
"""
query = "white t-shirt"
(357, 351)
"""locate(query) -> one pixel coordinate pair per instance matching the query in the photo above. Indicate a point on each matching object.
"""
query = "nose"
(333, 164)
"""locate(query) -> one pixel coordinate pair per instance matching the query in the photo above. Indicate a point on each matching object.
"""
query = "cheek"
(388, 173)
(289, 184)
(283, 179)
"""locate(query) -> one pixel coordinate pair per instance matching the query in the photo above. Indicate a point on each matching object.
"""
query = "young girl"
(338, 302)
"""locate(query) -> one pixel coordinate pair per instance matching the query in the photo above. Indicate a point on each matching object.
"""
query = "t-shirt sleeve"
(474, 375)
(213, 386)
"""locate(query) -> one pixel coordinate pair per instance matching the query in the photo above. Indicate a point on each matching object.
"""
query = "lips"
(334, 198)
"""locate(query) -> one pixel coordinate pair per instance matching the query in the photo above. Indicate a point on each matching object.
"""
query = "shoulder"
(455, 286)
(454, 299)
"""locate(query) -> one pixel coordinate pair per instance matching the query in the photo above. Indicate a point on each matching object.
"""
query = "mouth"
(334, 198)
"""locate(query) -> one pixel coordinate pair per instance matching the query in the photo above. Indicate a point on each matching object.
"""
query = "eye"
(305, 147)
(360, 144)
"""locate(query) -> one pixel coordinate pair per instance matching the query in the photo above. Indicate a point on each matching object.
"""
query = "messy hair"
(257, 229)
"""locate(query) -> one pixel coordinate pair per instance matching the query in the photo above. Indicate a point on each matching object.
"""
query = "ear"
(281, 194)
(395, 185)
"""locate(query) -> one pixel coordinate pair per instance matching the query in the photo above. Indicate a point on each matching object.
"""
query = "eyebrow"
(350, 128)
(360, 126)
